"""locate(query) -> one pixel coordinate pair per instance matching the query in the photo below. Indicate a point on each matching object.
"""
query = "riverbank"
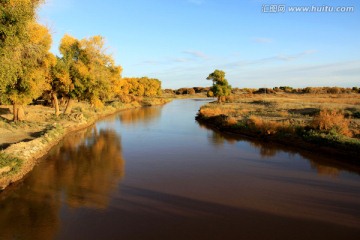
(23, 143)
(325, 123)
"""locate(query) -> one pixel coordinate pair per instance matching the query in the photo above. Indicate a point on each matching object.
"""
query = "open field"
(329, 121)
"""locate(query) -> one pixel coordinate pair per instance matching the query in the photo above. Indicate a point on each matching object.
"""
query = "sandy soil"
(36, 122)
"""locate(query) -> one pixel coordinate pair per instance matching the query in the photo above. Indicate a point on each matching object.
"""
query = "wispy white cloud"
(345, 74)
(277, 70)
(191, 56)
(262, 40)
(286, 57)
(149, 62)
(196, 54)
(272, 59)
(181, 60)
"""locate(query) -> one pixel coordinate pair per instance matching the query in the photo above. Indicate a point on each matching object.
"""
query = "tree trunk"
(20, 113)
(56, 103)
(69, 105)
(15, 112)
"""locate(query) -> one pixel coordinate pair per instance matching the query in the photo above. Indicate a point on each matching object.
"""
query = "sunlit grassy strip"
(324, 128)
(9, 165)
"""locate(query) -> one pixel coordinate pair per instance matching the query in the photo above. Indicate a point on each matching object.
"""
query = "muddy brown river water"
(155, 173)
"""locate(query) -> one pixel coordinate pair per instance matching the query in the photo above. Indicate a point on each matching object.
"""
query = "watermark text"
(282, 8)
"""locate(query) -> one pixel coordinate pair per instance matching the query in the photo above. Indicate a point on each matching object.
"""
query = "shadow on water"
(148, 214)
(323, 165)
(83, 172)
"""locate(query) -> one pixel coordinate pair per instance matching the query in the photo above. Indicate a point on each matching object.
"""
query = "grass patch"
(53, 132)
(9, 165)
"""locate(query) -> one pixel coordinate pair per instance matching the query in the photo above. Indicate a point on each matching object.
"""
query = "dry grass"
(286, 113)
(269, 127)
(328, 120)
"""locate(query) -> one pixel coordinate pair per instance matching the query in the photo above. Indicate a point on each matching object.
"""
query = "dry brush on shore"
(330, 122)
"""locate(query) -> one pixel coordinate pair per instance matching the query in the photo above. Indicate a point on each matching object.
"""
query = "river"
(155, 173)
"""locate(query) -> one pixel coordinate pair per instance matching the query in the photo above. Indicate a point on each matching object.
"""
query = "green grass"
(13, 163)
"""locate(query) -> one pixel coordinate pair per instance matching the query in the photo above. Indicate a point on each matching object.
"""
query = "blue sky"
(181, 41)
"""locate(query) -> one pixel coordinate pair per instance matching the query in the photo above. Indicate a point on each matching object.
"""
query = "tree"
(15, 16)
(60, 82)
(144, 86)
(92, 72)
(220, 86)
(24, 56)
(34, 75)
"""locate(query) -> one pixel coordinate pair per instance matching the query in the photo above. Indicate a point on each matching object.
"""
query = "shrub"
(229, 98)
(190, 91)
(199, 89)
(210, 112)
(331, 120)
(231, 121)
(168, 91)
(287, 89)
(264, 91)
(334, 90)
(268, 127)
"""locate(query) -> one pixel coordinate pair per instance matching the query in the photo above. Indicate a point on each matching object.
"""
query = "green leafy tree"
(15, 16)
(92, 72)
(24, 54)
(221, 87)
(60, 82)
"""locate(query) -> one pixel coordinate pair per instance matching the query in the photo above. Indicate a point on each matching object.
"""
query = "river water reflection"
(155, 173)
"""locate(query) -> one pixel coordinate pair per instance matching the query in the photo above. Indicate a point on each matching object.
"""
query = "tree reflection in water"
(143, 115)
(321, 164)
(80, 173)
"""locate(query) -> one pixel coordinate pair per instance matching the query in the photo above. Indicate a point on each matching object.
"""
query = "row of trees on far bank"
(85, 71)
(290, 90)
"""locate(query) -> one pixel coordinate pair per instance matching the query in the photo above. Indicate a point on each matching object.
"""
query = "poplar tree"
(92, 72)
(221, 87)
(24, 54)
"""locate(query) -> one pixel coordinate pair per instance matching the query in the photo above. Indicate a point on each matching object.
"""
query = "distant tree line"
(287, 89)
(282, 89)
(185, 91)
